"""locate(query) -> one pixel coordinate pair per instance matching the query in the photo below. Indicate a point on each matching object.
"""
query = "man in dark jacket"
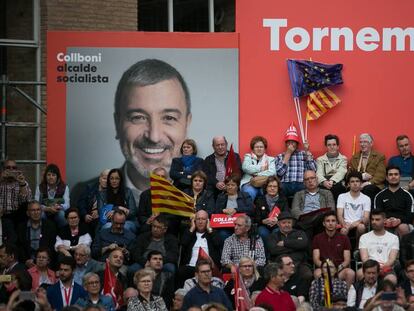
(199, 235)
(34, 233)
(156, 239)
(215, 165)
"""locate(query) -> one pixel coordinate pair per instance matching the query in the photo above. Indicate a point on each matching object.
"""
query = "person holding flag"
(246, 280)
(204, 199)
(220, 164)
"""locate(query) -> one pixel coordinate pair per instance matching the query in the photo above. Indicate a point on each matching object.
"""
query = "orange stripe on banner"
(167, 196)
(173, 212)
(172, 202)
(313, 109)
(323, 99)
(161, 190)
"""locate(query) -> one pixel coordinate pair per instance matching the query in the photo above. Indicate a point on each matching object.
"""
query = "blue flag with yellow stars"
(307, 76)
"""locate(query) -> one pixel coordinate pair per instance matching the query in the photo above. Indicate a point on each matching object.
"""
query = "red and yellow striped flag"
(168, 199)
(319, 102)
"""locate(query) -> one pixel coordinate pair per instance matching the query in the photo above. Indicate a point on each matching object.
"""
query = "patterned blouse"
(156, 303)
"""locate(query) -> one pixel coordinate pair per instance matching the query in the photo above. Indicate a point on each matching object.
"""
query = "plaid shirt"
(316, 292)
(11, 197)
(234, 249)
(298, 163)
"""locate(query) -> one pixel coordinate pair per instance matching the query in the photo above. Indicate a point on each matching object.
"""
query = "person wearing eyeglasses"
(307, 203)
(249, 276)
(204, 293)
(40, 272)
(92, 285)
(146, 301)
(14, 192)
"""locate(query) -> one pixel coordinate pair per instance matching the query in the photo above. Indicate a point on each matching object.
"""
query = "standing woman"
(53, 195)
(119, 196)
(257, 166)
(265, 204)
(182, 168)
(144, 281)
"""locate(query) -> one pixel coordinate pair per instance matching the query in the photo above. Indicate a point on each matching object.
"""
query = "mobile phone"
(5, 278)
(389, 296)
(27, 295)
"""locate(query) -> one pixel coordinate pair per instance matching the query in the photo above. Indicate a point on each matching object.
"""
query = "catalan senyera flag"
(319, 102)
(168, 199)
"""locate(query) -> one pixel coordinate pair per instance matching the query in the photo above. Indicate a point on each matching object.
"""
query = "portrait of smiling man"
(154, 100)
(152, 115)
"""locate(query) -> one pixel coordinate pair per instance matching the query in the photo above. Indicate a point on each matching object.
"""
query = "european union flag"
(307, 77)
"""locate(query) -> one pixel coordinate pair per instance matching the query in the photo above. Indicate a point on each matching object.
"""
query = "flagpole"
(299, 116)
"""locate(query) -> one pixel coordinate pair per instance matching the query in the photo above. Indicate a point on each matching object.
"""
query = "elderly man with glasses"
(92, 285)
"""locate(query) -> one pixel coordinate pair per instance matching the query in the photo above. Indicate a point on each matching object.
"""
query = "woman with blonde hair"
(250, 277)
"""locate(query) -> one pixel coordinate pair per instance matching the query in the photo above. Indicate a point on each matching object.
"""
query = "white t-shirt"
(354, 208)
(200, 242)
(379, 246)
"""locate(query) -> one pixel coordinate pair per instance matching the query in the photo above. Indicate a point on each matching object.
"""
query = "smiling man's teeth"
(152, 151)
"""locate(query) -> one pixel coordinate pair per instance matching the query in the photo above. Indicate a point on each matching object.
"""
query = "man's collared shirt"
(298, 163)
(405, 165)
(11, 197)
(35, 234)
(234, 249)
(367, 293)
(66, 293)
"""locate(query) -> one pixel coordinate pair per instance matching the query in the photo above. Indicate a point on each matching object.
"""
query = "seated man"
(65, 292)
(333, 246)
(310, 200)
(353, 207)
(156, 239)
(332, 167)
(371, 164)
(364, 289)
(84, 263)
(115, 262)
(408, 283)
(296, 284)
(108, 239)
(92, 286)
(163, 284)
(273, 295)
(405, 161)
(9, 265)
(397, 203)
(204, 292)
(198, 235)
(379, 245)
(215, 165)
(242, 244)
(289, 242)
(292, 164)
(34, 233)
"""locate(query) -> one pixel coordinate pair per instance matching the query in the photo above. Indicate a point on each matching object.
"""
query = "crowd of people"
(309, 234)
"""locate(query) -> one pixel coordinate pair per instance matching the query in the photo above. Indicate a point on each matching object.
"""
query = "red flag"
(241, 296)
(231, 163)
(202, 254)
(112, 287)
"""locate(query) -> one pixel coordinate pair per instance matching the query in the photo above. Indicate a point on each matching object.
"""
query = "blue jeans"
(264, 232)
(290, 188)
(250, 190)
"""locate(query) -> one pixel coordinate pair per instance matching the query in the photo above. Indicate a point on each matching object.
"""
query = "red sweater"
(280, 301)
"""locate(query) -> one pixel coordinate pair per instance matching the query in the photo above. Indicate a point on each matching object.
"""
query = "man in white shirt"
(379, 245)
(353, 207)
(366, 288)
